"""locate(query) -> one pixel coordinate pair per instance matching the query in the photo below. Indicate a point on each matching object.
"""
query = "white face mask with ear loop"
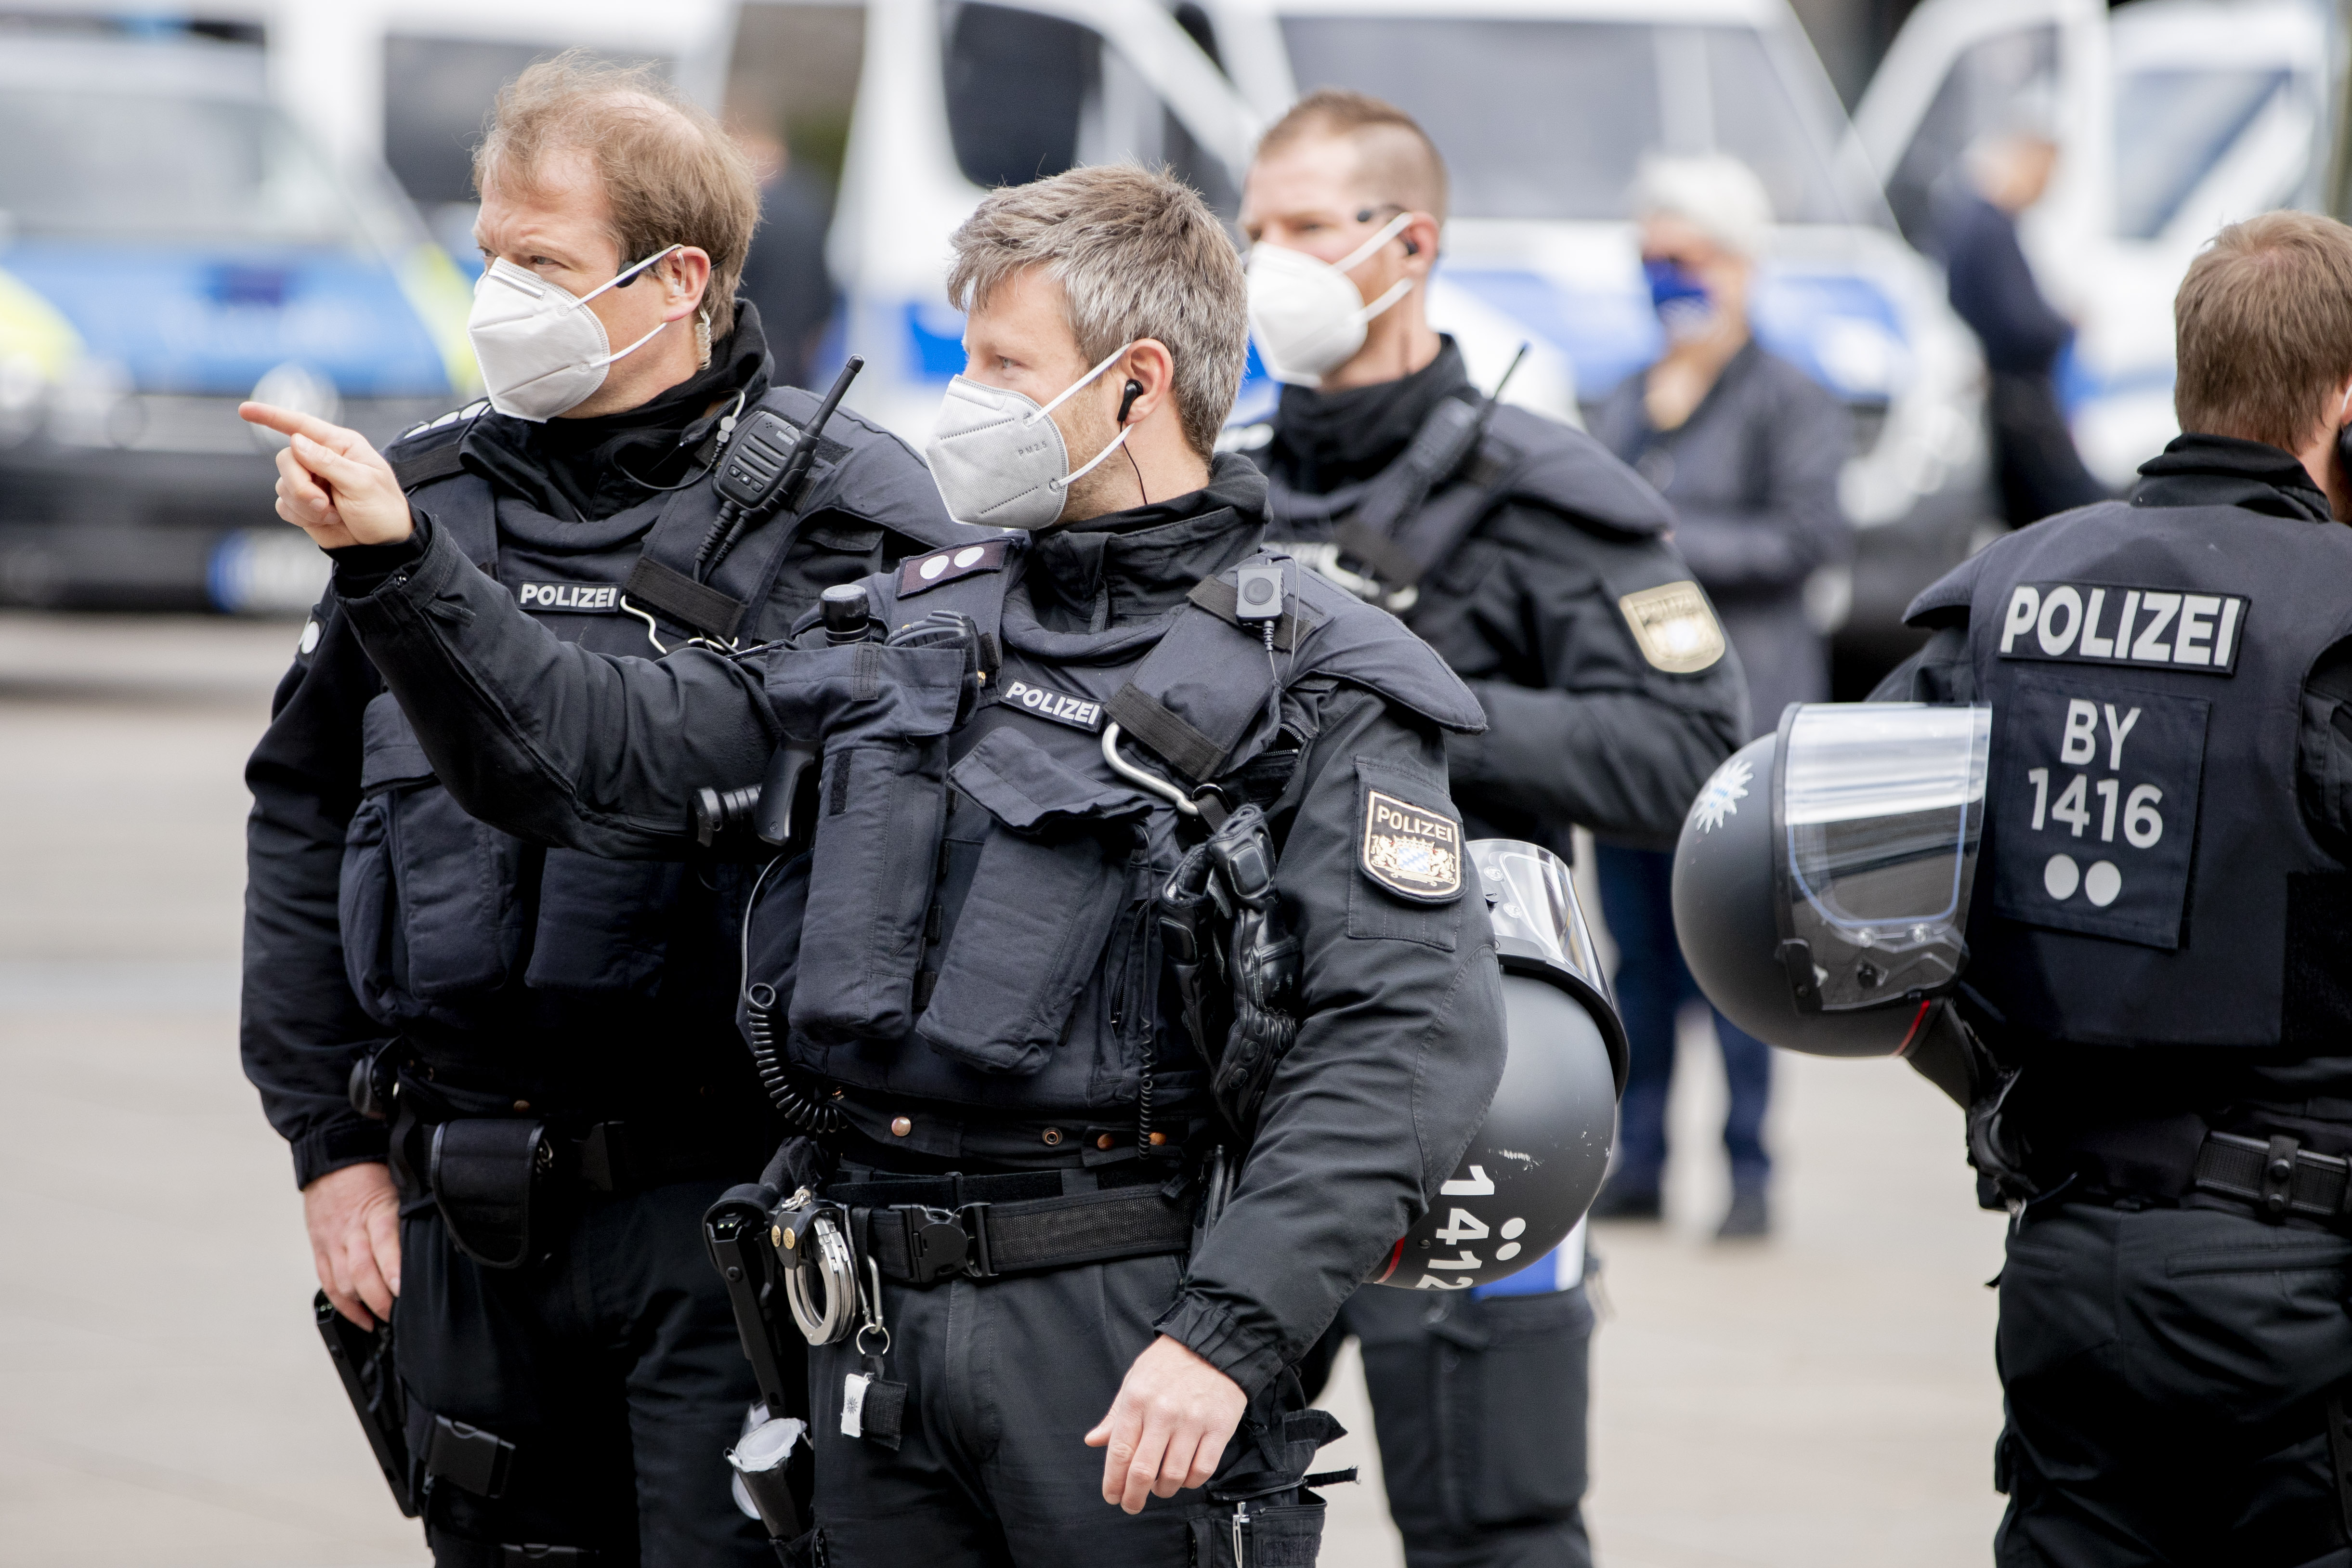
(1308, 316)
(999, 458)
(542, 351)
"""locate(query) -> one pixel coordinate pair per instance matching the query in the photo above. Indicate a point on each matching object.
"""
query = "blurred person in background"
(785, 275)
(1992, 289)
(1746, 447)
(510, 1073)
(1537, 564)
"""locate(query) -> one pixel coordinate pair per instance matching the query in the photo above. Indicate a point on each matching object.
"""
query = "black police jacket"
(1609, 692)
(520, 970)
(1400, 1039)
(2162, 899)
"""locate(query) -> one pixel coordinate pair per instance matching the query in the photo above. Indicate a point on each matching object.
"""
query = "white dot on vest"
(966, 556)
(933, 567)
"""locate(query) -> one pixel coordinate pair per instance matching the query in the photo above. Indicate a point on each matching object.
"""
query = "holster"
(363, 1359)
(1234, 961)
(492, 1178)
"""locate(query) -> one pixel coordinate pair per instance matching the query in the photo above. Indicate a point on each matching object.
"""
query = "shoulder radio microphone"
(762, 468)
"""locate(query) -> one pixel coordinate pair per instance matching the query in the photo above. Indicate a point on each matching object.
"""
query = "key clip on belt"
(942, 1242)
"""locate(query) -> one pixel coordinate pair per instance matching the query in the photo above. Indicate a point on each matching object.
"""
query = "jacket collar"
(2222, 470)
(1323, 441)
(1138, 564)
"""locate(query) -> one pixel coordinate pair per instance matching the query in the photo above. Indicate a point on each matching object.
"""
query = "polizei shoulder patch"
(1411, 851)
(1674, 627)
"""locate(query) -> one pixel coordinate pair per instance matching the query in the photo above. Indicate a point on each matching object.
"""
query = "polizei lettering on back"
(1077, 713)
(2110, 623)
(579, 598)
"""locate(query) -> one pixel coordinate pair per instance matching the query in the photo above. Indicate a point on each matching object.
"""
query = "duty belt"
(919, 1232)
(2277, 1177)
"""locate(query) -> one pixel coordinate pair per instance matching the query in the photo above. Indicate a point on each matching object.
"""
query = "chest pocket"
(428, 903)
(2095, 802)
(1048, 888)
(885, 713)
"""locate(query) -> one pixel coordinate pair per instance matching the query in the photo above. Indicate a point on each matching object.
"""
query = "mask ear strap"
(1117, 442)
(1403, 287)
(1363, 252)
(1072, 390)
(627, 272)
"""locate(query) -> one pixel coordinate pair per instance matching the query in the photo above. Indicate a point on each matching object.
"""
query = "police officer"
(1010, 755)
(2158, 942)
(571, 1092)
(1537, 566)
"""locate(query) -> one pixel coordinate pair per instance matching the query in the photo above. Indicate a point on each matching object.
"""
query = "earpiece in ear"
(1410, 248)
(1126, 399)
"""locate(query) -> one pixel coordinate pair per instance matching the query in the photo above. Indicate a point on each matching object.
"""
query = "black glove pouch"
(883, 715)
(492, 1177)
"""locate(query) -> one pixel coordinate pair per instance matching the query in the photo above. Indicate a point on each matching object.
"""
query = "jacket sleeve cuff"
(1208, 1332)
(362, 569)
(337, 1144)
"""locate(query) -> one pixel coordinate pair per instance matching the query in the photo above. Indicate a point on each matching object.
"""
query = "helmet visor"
(1879, 807)
(1533, 905)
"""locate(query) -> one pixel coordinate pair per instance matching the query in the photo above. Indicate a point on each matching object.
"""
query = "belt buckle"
(942, 1242)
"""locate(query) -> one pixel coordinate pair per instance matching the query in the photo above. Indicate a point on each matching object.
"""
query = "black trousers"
(2034, 461)
(1479, 1406)
(615, 1371)
(1004, 1378)
(2167, 1373)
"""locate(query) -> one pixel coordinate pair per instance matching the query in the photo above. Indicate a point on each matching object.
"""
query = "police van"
(172, 243)
(1542, 108)
(2173, 117)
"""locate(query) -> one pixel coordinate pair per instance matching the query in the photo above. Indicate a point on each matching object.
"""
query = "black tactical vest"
(441, 916)
(1383, 537)
(973, 923)
(2145, 875)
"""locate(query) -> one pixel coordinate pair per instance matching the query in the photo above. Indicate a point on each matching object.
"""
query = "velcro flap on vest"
(1026, 788)
(684, 599)
(389, 753)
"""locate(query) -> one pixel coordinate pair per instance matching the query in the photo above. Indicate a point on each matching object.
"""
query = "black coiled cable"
(795, 1103)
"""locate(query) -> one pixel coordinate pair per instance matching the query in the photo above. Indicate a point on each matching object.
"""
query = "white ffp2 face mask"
(542, 352)
(1308, 316)
(1000, 460)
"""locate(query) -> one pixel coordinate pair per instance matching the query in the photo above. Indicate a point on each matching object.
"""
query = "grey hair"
(1714, 191)
(1138, 255)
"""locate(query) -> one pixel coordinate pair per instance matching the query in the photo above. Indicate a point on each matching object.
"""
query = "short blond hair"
(1396, 162)
(2263, 326)
(671, 176)
(1138, 255)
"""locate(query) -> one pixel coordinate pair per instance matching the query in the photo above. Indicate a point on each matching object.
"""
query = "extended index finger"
(287, 422)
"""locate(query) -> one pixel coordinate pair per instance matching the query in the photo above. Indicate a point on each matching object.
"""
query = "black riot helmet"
(1533, 1169)
(1820, 888)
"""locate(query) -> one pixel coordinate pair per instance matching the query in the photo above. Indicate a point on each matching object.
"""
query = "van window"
(1029, 96)
(171, 167)
(1549, 120)
(2171, 128)
(1987, 78)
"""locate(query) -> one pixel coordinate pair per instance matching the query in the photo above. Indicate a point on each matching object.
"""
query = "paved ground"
(1825, 1399)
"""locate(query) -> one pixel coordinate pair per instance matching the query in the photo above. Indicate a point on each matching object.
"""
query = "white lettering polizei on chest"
(578, 599)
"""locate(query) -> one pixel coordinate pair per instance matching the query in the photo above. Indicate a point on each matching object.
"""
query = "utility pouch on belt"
(490, 1175)
(884, 714)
